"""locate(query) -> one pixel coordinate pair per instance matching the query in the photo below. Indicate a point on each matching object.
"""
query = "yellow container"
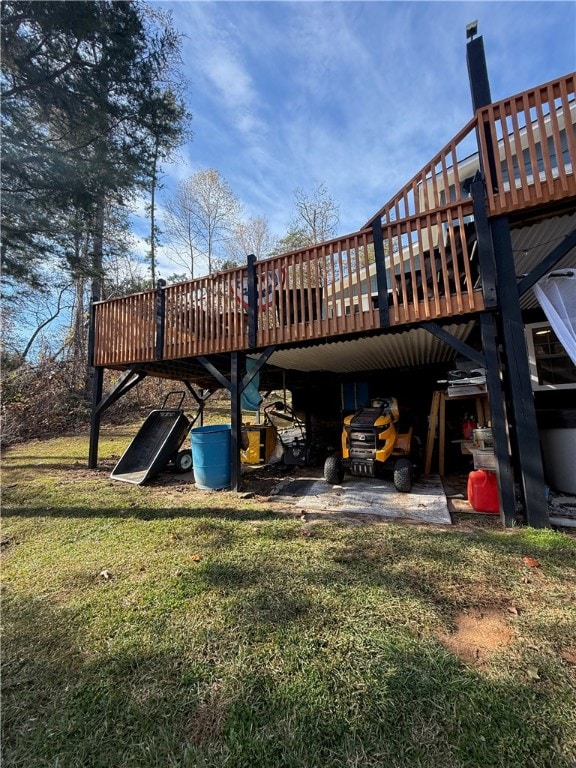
(261, 443)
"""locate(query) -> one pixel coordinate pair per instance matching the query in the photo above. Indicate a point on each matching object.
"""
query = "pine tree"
(78, 79)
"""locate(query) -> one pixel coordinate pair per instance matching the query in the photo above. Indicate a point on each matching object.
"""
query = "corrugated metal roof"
(390, 350)
(417, 347)
(532, 244)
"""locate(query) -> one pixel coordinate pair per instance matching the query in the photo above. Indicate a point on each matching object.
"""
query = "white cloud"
(359, 95)
(226, 73)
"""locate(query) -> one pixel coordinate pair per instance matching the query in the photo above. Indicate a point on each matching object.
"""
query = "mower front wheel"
(403, 475)
(333, 470)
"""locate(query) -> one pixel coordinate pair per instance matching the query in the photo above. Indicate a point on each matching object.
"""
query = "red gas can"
(468, 427)
(483, 491)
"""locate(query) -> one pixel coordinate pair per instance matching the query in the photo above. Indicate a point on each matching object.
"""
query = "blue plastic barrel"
(211, 456)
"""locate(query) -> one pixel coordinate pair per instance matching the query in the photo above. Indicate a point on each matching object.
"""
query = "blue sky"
(359, 95)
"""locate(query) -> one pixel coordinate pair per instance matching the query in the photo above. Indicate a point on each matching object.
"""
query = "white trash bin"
(558, 439)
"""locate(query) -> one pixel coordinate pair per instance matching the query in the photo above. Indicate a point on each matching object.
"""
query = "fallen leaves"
(569, 656)
(530, 562)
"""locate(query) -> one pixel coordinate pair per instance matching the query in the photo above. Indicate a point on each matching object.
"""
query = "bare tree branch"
(43, 325)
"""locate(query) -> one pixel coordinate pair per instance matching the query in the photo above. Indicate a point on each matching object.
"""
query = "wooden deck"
(417, 255)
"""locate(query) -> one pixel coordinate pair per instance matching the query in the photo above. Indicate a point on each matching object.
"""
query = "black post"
(485, 250)
(504, 471)
(523, 427)
(520, 395)
(129, 379)
(252, 300)
(478, 73)
(92, 335)
(95, 379)
(480, 90)
(236, 420)
(160, 318)
(97, 383)
(382, 283)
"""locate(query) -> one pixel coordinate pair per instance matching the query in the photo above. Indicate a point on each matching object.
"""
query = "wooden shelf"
(437, 422)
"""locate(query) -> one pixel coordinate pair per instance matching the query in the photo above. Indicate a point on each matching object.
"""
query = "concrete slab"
(362, 495)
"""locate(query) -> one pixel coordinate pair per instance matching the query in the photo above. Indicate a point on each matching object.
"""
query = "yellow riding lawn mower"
(372, 443)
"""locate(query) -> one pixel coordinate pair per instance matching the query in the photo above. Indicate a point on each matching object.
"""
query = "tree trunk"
(78, 337)
(97, 278)
(153, 216)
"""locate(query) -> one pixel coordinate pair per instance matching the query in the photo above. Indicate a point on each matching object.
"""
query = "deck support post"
(485, 249)
(252, 301)
(129, 379)
(504, 471)
(95, 380)
(523, 428)
(478, 73)
(480, 91)
(236, 420)
(160, 318)
(97, 384)
(236, 385)
(381, 282)
(489, 360)
(525, 442)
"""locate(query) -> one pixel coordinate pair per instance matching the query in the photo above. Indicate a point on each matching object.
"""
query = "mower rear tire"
(183, 462)
(403, 475)
(333, 470)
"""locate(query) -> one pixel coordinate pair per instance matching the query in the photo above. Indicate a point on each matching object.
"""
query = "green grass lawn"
(165, 626)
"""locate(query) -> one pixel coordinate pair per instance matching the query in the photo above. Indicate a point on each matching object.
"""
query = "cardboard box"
(484, 459)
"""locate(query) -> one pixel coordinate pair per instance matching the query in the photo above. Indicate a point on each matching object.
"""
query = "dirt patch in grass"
(207, 724)
(478, 635)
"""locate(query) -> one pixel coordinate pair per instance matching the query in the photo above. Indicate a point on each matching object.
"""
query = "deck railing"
(331, 289)
(532, 131)
(125, 329)
(535, 133)
(434, 262)
(324, 290)
(439, 183)
(205, 315)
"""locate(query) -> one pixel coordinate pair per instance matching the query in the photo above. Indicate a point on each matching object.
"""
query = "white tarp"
(556, 293)
(367, 496)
